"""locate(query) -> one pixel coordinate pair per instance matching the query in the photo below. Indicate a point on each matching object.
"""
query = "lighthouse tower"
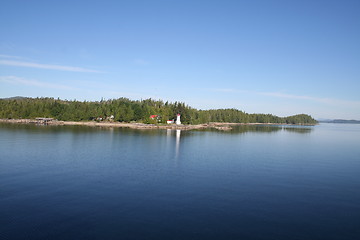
(178, 119)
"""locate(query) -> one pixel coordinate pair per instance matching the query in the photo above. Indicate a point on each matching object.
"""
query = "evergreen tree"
(126, 110)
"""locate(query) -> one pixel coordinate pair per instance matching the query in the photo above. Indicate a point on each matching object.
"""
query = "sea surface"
(254, 182)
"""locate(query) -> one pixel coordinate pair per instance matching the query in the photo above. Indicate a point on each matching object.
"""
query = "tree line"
(126, 110)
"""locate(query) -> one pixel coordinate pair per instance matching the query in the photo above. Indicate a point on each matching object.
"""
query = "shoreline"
(214, 125)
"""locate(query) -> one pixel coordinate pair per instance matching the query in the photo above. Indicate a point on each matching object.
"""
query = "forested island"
(340, 121)
(126, 110)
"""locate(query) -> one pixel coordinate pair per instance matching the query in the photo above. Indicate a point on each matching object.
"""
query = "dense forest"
(126, 110)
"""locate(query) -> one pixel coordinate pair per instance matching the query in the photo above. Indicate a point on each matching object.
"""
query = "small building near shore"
(155, 117)
(44, 120)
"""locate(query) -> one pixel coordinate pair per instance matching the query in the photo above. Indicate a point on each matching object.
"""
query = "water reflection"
(268, 129)
(178, 133)
(301, 130)
(169, 137)
(87, 129)
(59, 182)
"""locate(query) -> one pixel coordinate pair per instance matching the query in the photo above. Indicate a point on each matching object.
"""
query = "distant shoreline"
(215, 125)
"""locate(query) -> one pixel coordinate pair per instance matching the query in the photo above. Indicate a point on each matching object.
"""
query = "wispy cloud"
(331, 101)
(141, 62)
(291, 96)
(11, 57)
(35, 83)
(225, 90)
(230, 90)
(92, 90)
(45, 66)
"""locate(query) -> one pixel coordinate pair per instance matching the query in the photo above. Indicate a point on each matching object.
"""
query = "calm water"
(250, 183)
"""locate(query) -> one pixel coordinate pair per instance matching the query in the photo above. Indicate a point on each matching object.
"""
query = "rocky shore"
(118, 124)
(213, 125)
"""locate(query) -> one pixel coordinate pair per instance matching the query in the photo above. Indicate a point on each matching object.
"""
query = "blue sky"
(280, 57)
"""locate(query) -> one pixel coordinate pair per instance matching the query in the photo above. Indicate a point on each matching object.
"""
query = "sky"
(259, 56)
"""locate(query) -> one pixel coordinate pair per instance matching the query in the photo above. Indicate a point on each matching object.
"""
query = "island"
(143, 114)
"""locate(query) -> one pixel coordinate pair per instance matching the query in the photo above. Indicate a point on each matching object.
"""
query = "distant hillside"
(126, 110)
(340, 121)
(14, 98)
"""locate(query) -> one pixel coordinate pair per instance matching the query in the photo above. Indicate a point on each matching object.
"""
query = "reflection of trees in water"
(77, 129)
(256, 128)
(156, 132)
(298, 129)
(263, 129)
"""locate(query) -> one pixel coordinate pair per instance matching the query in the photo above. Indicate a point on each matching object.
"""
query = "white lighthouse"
(178, 119)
